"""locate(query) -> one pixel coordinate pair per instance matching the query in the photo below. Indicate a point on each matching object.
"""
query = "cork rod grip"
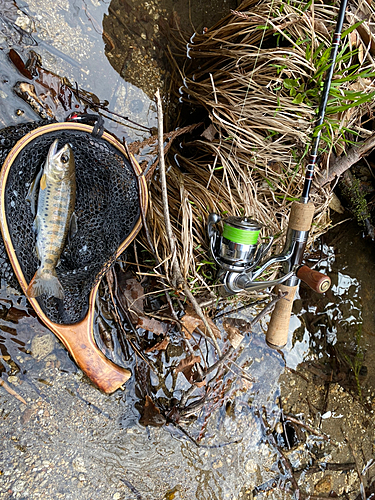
(301, 216)
(278, 329)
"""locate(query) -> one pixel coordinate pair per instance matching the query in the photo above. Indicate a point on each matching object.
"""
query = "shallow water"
(66, 439)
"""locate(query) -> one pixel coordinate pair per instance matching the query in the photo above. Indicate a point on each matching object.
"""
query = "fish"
(54, 217)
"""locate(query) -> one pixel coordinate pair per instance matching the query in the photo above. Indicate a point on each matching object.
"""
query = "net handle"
(79, 341)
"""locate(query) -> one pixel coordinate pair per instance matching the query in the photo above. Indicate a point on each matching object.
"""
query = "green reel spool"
(241, 230)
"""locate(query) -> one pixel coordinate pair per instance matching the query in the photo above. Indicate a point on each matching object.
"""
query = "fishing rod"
(236, 251)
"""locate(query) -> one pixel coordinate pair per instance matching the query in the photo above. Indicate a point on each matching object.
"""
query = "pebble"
(42, 345)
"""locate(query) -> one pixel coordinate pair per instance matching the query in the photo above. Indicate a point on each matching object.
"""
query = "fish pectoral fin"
(36, 224)
(43, 182)
(32, 193)
(73, 228)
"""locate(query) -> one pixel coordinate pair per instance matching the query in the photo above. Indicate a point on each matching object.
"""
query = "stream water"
(63, 438)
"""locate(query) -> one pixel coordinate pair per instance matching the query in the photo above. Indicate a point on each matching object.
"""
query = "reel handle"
(317, 281)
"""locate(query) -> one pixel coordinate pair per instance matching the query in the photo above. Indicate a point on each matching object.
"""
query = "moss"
(351, 190)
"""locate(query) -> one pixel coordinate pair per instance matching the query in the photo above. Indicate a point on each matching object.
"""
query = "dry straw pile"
(258, 75)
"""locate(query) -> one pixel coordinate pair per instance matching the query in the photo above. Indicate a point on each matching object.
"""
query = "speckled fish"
(56, 200)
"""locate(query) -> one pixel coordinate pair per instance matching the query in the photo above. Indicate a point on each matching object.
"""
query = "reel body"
(242, 260)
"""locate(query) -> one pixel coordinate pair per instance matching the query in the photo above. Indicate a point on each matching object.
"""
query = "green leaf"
(352, 28)
(289, 83)
(363, 74)
(298, 99)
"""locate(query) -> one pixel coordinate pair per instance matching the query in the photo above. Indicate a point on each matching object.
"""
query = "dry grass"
(239, 73)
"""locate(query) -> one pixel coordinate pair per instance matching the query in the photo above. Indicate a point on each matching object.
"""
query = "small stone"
(279, 428)
(324, 485)
(79, 465)
(42, 345)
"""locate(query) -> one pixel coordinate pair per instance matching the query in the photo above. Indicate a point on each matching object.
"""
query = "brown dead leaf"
(200, 383)
(133, 293)
(320, 27)
(191, 321)
(151, 414)
(160, 346)
(152, 325)
(209, 133)
(234, 335)
(186, 367)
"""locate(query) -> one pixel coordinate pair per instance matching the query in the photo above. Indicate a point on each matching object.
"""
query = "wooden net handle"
(79, 341)
(277, 334)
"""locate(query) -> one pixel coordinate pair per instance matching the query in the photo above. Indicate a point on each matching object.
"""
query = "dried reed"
(256, 74)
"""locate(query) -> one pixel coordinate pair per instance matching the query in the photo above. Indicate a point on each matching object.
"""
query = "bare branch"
(343, 163)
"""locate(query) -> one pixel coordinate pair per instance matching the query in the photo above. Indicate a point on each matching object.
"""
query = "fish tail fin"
(43, 283)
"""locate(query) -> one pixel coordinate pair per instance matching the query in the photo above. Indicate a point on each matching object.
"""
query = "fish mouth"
(54, 153)
(53, 149)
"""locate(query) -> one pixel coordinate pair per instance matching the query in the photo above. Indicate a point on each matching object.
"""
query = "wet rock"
(42, 345)
(324, 485)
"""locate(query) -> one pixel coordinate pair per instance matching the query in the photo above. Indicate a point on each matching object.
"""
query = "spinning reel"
(242, 260)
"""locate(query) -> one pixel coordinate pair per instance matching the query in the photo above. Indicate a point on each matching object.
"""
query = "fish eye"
(65, 158)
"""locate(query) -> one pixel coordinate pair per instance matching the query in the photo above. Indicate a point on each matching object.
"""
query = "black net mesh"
(107, 208)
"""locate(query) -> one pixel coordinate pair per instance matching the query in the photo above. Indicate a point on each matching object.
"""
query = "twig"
(246, 306)
(187, 395)
(199, 311)
(284, 459)
(111, 277)
(343, 163)
(132, 488)
(268, 308)
(294, 420)
(11, 391)
(220, 361)
(252, 323)
(177, 278)
(360, 477)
